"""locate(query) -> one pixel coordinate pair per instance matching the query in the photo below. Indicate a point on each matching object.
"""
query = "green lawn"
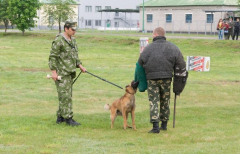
(207, 117)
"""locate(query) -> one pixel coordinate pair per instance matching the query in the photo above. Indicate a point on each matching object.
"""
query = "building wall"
(123, 4)
(41, 21)
(199, 17)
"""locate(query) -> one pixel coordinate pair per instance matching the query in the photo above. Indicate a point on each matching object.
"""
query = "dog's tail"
(107, 107)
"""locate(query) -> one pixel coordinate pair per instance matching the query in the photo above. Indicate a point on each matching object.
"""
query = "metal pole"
(197, 27)
(211, 23)
(131, 22)
(172, 27)
(181, 27)
(188, 28)
(174, 111)
(143, 18)
(205, 27)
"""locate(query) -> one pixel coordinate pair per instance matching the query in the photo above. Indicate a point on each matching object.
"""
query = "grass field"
(208, 111)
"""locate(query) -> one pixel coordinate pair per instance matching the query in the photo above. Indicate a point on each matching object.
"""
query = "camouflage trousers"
(64, 89)
(159, 93)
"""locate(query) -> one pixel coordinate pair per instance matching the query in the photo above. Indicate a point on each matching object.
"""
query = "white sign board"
(195, 63)
(143, 43)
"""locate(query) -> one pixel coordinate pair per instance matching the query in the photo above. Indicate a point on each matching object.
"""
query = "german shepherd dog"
(124, 105)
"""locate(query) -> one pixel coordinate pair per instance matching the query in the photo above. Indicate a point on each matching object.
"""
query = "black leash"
(96, 77)
(104, 80)
(77, 77)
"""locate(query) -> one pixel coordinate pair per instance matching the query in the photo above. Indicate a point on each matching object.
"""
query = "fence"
(178, 26)
(117, 25)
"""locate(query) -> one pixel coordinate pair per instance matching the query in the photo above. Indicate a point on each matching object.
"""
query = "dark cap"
(71, 24)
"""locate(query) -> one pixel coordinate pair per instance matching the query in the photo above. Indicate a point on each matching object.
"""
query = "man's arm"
(83, 69)
(54, 54)
(78, 61)
(180, 61)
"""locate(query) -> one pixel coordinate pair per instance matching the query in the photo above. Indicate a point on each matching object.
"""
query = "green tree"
(58, 11)
(3, 13)
(23, 12)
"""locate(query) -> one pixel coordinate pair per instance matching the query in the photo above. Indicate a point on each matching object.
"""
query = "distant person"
(226, 30)
(220, 29)
(230, 29)
(159, 59)
(236, 29)
(63, 61)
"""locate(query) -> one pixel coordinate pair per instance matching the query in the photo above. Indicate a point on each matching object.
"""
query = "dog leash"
(98, 78)
(104, 80)
(77, 77)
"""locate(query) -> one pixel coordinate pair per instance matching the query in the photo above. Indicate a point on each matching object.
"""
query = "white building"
(89, 17)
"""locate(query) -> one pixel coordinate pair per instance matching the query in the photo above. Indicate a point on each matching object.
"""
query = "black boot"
(155, 128)
(72, 122)
(60, 120)
(163, 125)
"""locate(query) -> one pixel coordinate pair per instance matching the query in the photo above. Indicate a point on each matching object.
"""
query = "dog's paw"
(129, 126)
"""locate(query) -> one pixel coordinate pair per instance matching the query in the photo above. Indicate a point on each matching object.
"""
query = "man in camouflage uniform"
(63, 61)
(158, 60)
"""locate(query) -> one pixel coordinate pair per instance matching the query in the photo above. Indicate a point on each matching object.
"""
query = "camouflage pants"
(159, 93)
(64, 89)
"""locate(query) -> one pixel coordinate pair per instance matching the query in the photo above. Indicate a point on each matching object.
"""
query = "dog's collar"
(130, 93)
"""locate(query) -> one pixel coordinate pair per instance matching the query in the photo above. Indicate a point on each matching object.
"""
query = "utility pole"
(143, 18)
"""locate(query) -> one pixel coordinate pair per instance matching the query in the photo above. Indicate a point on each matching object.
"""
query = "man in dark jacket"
(159, 60)
(236, 29)
(230, 29)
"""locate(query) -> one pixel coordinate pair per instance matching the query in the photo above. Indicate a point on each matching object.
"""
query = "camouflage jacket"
(64, 56)
(231, 24)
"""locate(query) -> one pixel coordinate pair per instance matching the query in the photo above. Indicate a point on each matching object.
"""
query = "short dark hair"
(66, 27)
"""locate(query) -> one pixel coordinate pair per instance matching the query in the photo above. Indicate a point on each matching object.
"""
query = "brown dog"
(124, 105)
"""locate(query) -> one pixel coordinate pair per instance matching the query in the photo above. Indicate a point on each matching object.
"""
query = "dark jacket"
(159, 59)
(236, 26)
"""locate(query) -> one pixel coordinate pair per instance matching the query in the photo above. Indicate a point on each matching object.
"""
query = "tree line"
(23, 13)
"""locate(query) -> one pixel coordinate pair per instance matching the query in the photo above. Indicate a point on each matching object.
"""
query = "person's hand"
(83, 69)
(54, 75)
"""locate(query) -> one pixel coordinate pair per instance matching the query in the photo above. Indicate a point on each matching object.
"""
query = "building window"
(168, 18)
(97, 8)
(188, 18)
(107, 7)
(97, 22)
(209, 18)
(149, 18)
(88, 8)
(88, 22)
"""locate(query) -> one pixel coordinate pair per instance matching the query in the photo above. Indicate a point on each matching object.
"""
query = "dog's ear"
(134, 84)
